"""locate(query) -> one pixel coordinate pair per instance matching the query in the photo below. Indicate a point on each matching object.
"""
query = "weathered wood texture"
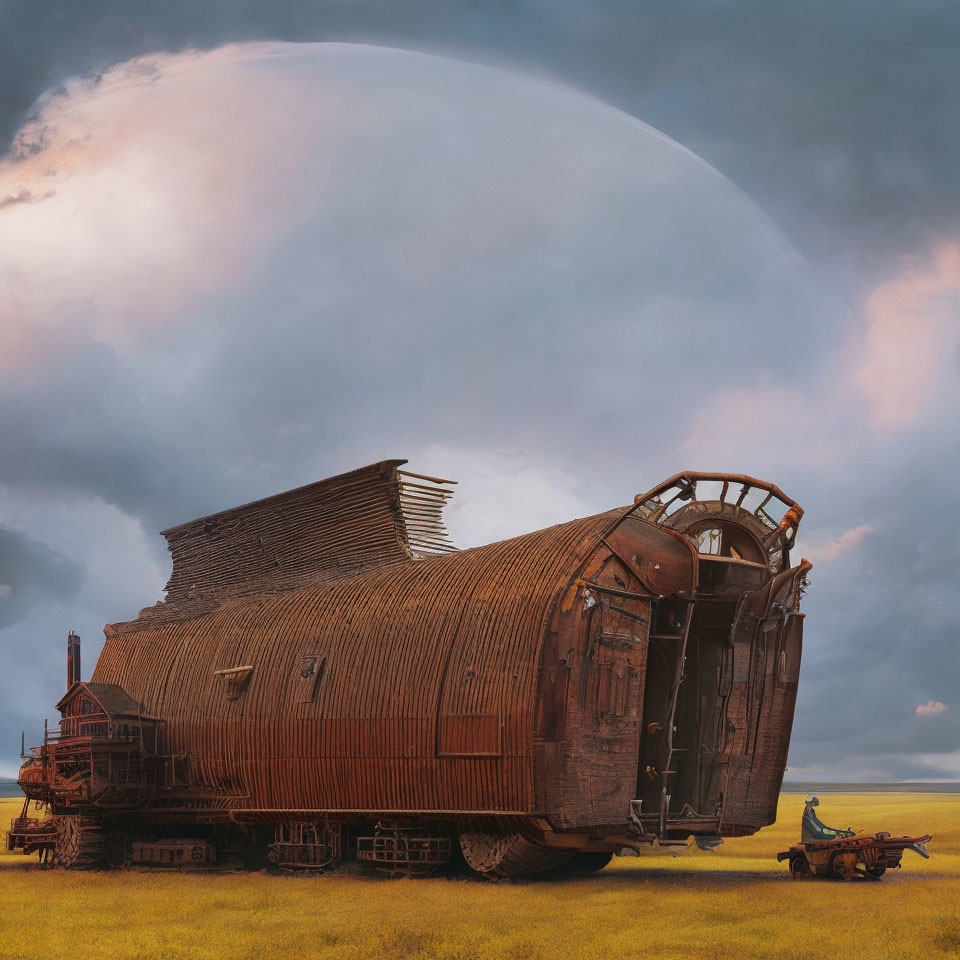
(373, 516)
(426, 701)
(325, 651)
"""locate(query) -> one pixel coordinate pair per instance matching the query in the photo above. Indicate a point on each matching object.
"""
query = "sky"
(554, 251)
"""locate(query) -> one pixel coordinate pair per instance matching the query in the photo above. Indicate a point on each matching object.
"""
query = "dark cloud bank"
(839, 120)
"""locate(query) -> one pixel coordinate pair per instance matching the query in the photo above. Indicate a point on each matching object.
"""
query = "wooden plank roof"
(367, 518)
(114, 700)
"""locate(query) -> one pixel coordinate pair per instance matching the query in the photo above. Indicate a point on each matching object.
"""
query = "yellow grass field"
(737, 902)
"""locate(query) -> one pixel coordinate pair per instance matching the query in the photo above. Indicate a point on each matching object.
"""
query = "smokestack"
(73, 659)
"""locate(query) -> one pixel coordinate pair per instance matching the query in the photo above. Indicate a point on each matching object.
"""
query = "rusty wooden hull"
(427, 699)
(534, 685)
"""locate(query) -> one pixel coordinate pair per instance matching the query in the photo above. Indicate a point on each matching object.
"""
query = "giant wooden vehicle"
(328, 678)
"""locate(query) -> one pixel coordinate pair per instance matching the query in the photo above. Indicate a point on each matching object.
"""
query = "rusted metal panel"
(469, 736)
(663, 562)
(173, 853)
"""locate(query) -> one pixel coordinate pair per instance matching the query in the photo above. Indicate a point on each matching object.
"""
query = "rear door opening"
(715, 706)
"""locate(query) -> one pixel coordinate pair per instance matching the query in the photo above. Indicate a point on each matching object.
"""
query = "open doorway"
(676, 765)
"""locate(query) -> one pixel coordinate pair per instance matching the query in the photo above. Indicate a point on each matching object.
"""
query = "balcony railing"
(103, 732)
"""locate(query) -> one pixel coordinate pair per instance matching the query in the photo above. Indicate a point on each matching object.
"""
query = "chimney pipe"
(73, 659)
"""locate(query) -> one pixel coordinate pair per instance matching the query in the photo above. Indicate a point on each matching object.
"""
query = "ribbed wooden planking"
(327, 651)
(327, 665)
(373, 516)
(428, 693)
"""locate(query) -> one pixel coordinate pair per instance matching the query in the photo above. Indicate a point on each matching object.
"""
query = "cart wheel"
(842, 866)
(876, 872)
(800, 868)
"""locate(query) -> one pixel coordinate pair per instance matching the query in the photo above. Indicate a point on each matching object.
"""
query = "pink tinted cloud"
(785, 428)
(930, 708)
(130, 199)
(846, 542)
(912, 326)
(899, 358)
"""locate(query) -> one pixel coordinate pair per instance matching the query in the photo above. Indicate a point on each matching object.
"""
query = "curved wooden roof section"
(428, 665)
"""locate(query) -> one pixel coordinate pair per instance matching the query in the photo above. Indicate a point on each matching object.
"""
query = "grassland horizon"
(736, 902)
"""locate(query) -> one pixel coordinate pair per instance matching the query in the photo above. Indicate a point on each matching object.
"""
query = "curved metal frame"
(782, 533)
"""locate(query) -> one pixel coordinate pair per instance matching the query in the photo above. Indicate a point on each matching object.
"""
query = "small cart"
(824, 852)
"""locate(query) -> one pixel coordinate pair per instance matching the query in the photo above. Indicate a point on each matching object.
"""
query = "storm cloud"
(839, 119)
(241, 270)
(32, 573)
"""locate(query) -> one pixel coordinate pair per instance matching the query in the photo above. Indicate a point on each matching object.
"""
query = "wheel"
(79, 843)
(842, 866)
(116, 846)
(508, 854)
(876, 872)
(800, 868)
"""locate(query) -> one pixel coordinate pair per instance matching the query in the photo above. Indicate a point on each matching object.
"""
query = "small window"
(722, 538)
(709, 541)
(310, 671)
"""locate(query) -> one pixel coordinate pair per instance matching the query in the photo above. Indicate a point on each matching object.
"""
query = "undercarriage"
(405, 846)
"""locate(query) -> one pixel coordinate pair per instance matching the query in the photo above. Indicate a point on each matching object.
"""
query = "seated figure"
(813, 830)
